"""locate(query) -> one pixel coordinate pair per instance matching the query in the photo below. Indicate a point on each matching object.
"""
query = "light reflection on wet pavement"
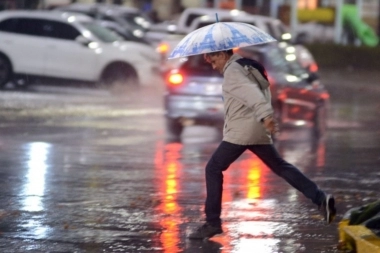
(84, 171)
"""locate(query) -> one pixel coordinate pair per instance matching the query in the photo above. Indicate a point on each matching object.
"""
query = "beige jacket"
(245, 104)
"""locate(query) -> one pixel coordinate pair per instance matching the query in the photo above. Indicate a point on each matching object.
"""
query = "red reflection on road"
(168, 170)
(244, 178)
(245, 187)
(244, 191)
(254, 177)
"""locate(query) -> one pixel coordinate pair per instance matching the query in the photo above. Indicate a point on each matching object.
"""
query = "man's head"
(218, 59)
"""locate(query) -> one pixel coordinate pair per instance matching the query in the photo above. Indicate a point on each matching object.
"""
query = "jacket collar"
(233, 58)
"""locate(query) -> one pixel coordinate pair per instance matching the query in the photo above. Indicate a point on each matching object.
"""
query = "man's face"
(218, 61)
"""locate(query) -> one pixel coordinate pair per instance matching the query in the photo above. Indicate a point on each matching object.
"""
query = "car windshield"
(136, 19)
(277, 59)
(196, 65)
(102, 33)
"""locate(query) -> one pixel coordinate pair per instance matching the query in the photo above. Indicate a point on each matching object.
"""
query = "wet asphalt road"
(83, 170)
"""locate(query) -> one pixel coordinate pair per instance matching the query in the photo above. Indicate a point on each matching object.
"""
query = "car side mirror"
(82, 40)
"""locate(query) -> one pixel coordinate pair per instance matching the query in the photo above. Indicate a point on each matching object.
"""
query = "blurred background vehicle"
(194, 92)
(129, 22)
(66, 46)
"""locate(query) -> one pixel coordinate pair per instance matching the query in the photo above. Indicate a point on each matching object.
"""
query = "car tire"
(174, 128)
(5, 70)
(119, 76)
(320, 121)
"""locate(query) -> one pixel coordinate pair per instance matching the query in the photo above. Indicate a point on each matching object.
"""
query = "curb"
(358, 238)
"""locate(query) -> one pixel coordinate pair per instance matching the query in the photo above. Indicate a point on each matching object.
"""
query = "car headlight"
(292, 78)
(290, 57)
(286, 36)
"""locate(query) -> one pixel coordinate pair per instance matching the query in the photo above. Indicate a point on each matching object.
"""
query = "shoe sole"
(330, 209)
(213, 236)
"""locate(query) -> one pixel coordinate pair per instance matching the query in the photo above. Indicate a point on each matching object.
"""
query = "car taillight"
(175, 79)
(313, 68)
(325, 96)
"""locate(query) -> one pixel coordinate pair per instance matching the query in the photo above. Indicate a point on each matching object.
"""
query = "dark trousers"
(227, 153)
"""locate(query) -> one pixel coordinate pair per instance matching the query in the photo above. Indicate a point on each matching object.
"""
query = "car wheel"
(5, 71)
(173, 128)
(320, 122)
(119, 76)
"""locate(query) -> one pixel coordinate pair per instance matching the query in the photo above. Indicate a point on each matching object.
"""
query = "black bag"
(255, 64)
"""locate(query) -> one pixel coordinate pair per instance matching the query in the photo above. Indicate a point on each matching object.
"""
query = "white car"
(70, 46)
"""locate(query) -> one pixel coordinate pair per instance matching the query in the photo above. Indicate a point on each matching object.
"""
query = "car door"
(21, 40)
(66, 57)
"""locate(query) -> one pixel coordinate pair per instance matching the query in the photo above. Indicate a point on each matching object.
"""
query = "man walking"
(248, 124)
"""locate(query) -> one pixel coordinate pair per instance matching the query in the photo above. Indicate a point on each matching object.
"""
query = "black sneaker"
(205, 231)
(328, 208)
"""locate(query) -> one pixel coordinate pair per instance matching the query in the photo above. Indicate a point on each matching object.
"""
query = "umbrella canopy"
(219, 37)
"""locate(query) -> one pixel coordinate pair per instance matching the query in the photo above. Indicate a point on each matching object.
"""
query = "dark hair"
(207, 55)
(228, 52)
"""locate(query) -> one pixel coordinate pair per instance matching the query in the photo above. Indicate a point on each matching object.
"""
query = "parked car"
(67, 46)
(131, 21)
(194, 92)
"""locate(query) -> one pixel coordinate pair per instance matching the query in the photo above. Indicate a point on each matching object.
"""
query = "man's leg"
(269, 155)
(222, 158)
